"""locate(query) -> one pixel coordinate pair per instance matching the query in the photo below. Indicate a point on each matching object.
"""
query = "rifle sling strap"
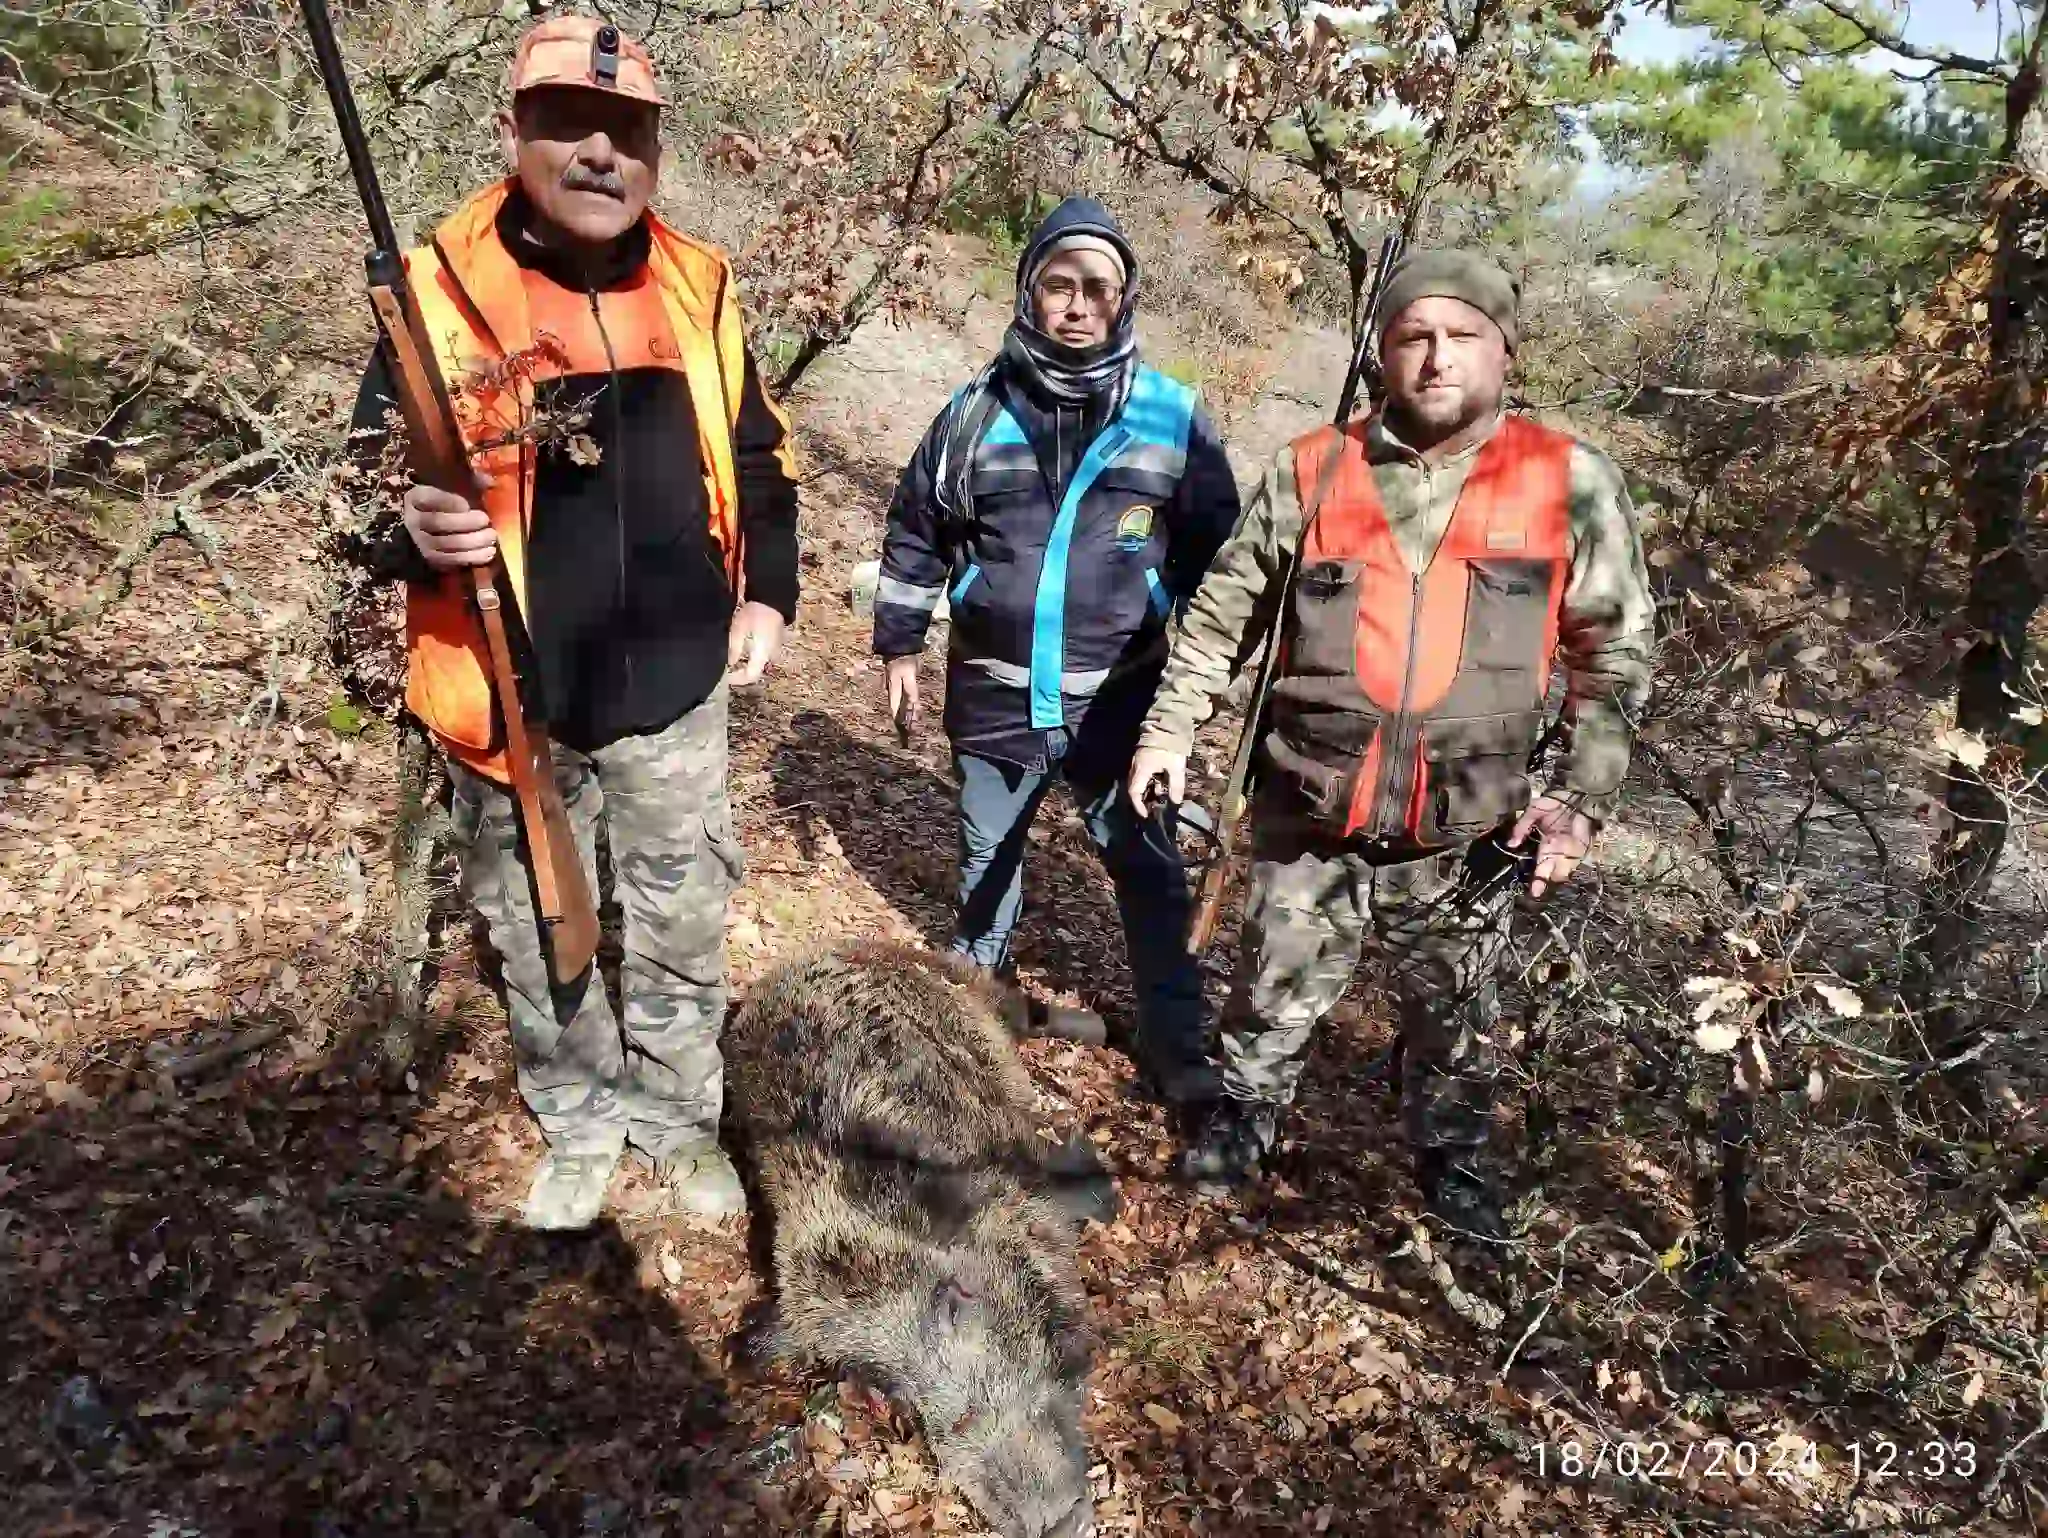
(527, 750)
(1311, 511)
(1238, 790)
(953, 481)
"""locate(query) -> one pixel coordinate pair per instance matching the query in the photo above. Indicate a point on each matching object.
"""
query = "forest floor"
(257, 1290)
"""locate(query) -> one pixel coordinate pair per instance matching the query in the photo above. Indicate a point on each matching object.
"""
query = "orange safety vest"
(1406, 706)
(474, 300)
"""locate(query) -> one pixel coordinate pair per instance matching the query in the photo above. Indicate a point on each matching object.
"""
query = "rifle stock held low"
(1222, 868)
(437, 457)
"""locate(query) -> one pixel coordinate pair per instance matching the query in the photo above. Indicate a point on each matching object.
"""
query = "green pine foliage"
(1825, 197)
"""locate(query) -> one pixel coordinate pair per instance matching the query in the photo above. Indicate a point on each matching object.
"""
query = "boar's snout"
(1030, 1483)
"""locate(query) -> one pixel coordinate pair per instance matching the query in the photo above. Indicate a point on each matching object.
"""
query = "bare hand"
(449, 532)
(1151, 764)
(1563, 835)
(755, 639)
(900, 675)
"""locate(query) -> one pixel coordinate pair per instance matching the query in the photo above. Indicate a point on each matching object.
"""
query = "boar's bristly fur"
(890, 1138)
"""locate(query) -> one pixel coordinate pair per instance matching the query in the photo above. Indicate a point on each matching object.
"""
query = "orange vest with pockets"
(1406, 706)
(493, 341)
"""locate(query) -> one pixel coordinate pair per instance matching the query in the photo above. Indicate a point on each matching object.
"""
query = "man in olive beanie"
(1464, 275)
(1451, 555)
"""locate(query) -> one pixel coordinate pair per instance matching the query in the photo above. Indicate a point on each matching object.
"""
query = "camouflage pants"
(1440, 925)
(660, 801)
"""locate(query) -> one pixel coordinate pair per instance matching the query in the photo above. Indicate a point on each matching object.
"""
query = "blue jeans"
(997, 804)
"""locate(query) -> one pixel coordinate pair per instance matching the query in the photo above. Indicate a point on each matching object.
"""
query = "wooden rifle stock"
(437, 456)
(1223, 868)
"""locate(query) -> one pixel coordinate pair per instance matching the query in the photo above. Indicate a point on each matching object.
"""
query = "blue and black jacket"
(1077, 540)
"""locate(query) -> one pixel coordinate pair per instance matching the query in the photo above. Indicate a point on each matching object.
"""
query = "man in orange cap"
(638, 481)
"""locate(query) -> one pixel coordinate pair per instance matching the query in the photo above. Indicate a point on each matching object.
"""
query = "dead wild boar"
(919, 1234)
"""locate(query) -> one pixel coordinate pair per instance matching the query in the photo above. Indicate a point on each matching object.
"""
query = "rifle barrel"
(334, 75)
(1368, 314)
(1348, 397)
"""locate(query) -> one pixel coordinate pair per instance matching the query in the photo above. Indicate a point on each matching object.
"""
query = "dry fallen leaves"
(1966, 748)
(1162, 1417)
(1845, 1002)
(1718, 1037)
(1512, 1501)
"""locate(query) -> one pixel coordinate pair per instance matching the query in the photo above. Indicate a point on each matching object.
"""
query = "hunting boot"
(1463, 1197)
(568, 1190)
(1235, 1139)
(1183, 1079)
(699, 1179)
(1471, 1254)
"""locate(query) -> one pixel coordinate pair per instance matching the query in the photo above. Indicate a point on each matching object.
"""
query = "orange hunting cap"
(588, 52)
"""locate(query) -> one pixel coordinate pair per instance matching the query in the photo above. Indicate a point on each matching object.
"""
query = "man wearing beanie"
(1449, 554)
(1065, 503)
(650, 575)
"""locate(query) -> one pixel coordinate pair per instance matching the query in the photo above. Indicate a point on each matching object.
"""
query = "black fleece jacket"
(627, 602)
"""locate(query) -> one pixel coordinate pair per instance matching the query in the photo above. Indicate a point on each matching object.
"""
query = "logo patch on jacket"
(1134, 529)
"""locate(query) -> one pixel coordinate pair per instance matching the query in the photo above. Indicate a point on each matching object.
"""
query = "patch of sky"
(1648, 36)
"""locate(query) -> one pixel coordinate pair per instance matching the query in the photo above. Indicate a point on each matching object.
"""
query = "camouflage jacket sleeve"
(1606, 627)
(1229, 613)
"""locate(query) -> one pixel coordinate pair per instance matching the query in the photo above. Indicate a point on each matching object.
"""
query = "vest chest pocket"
(1471, 796)
(1324, 642)
(1478, 775)
(1507, 608)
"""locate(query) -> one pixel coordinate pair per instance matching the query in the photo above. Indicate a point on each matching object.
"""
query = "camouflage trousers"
(1439, 925)
(654, 1078)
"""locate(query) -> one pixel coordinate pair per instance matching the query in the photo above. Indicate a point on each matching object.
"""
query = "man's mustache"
(582, 179)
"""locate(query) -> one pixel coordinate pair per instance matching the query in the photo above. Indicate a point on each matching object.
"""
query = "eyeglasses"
(1099, 293)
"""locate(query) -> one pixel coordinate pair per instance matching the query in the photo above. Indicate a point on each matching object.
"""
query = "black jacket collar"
(614, 269)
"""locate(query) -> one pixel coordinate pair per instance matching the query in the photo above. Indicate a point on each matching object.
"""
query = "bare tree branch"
(1892, 41)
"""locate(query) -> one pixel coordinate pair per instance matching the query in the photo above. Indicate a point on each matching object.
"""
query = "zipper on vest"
(611, 362)
(1397, 759)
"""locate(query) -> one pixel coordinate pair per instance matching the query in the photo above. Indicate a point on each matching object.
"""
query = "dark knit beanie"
(1465, 275)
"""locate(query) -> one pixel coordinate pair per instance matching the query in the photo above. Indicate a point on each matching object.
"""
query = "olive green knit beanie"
(1466, 275)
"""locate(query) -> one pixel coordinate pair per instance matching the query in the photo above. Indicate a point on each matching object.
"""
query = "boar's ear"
(762, 1339)
(950, 1303)
(946, 1199)
(1073, 1346)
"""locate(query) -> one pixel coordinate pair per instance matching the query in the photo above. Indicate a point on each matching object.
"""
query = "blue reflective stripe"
(1160, 412)
(1004, 429)
(960, 588)
(1049, 613)
(1162, 605)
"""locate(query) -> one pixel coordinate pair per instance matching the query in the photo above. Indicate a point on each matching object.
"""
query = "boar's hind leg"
(1026, 1018)
(1077, 1183)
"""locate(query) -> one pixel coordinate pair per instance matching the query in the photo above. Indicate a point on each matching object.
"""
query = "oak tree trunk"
(2001, 498)
(166, 91)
